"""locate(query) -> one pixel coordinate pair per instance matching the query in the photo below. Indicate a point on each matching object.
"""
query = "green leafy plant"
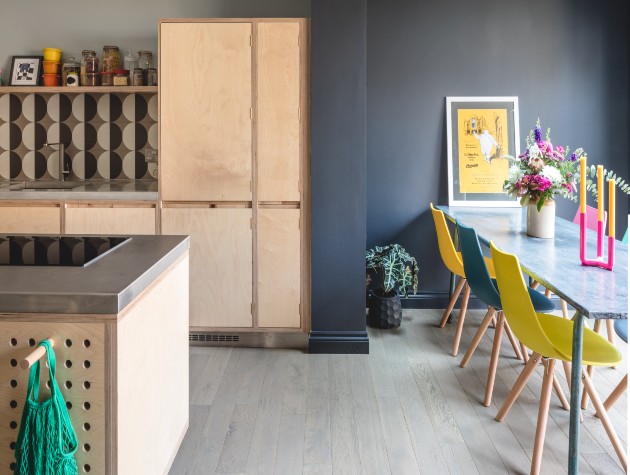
(395, 270)
(591, 181)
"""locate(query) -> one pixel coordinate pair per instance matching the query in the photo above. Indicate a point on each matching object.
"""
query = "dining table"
(593, 292)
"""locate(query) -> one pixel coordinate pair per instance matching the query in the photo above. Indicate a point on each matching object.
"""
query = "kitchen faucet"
(62, 159)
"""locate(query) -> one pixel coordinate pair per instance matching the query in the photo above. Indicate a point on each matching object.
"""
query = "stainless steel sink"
(46, 185)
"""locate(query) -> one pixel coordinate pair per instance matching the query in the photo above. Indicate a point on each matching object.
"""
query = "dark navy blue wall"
(566, 60)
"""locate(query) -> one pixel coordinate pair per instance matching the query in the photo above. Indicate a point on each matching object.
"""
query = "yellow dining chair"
(453, 261)
(550, 339)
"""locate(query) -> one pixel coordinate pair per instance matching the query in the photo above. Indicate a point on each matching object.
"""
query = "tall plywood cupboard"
(234, 172)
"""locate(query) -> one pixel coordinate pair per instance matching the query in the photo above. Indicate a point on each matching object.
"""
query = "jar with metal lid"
(152, 77)
(137, 79)
(85, 55)
(70, 73)
(111, 58)
(92, 79)
(107, 78)
(121, 77)
(145, 59)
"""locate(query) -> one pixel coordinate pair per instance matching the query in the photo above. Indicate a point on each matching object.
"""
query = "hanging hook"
(37, 353)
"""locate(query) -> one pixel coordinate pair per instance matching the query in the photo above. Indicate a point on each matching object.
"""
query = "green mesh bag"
(46, 442)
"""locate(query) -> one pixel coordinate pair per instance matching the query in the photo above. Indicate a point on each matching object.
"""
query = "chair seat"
(621, 327)
(597, 351)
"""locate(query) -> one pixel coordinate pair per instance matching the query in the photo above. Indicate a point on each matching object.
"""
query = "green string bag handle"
(46, 441)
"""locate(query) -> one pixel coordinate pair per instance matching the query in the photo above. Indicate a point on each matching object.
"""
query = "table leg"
(576, 374)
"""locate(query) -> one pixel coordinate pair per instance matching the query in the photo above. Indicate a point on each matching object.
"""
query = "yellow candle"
(583, 185)
(600, 193)
(611, 208)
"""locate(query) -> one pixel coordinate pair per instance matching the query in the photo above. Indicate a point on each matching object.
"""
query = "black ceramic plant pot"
(384, 312)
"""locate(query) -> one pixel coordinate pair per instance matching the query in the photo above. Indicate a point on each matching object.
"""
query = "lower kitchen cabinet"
(220, 263)
(102, 218)
(279, 275)
(30, 219)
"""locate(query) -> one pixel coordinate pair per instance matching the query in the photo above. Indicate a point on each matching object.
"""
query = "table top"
(555, 263)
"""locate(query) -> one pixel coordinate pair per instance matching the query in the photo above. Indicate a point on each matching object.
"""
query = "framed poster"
(480, 132)
(25, 70)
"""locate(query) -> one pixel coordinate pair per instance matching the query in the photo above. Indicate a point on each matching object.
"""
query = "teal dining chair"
(485, 288)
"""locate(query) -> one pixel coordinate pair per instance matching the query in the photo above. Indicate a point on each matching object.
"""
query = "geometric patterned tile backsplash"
(105, 135)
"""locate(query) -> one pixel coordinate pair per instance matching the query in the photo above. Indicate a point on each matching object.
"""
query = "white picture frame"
(480, 132)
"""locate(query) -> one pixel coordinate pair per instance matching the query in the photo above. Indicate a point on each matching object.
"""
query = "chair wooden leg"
(543, 414)
(547, 293)
(558, 390)
(617, 392)
(603, 416)
(534, 285)
(524, 353)
(460, 321)
(452, 302)
(567, 373)
(494, 359)
(527, 372)
(565, 310)
(610, 329)
(480, 332)
(512, 339)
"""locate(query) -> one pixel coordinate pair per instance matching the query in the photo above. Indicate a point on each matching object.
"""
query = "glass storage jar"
(70, 73)
(152, 77)
(121, 77)
(107, 78)
(137, 77)
(92, 79)
(88, 54)
(145, 61)
(111, 58)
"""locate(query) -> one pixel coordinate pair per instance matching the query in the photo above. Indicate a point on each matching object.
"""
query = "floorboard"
(407, 407)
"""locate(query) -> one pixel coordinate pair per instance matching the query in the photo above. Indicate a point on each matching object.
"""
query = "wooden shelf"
(78, 89)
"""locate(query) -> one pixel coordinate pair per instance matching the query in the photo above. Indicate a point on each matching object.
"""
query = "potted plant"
(395, 272)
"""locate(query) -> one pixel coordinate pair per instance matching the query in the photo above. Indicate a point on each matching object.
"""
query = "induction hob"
(68, 251)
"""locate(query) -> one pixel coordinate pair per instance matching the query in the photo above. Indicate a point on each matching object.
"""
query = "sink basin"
(46, 185)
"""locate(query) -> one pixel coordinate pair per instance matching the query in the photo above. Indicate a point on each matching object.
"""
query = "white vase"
(541, 223)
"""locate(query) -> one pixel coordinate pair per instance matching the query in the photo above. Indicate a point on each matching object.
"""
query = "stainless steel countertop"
(106, 286)
(132, 190)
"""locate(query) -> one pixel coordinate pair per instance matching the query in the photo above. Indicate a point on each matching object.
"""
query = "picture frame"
(481, 132)
(26, 70)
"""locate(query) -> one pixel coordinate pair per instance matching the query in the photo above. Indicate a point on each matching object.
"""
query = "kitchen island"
(120, 329)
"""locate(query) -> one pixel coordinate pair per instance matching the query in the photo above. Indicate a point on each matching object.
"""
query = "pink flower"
(536, 163)
(560, 149)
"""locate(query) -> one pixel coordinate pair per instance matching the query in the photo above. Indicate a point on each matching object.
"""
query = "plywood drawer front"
(278, 57)
(96, 220)
(220, 263)
(30, 219)
(279, 276)
(205, 111)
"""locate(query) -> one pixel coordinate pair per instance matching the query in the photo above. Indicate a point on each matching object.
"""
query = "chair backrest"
(517, 305)
(621, 327)
(445, 243)
(475, 267)
(591, 218)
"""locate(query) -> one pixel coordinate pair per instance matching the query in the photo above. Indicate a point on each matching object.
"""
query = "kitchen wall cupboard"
(234, 169)
(30, 218)
(110, 218)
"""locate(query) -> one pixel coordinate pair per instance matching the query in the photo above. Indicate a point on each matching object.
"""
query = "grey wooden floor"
(406, 408)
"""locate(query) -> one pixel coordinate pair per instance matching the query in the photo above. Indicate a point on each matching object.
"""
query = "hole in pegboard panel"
(31, 342)
(68, 384)
(13, 383)
(87, 468)
(86, 343)
(13, 425)
(68, 405)
(12, 466)
(13, 362)
(12, 445)
(86, 406)
(87, 447)
(87, 385)
(86, 426)
(87, 364)
(13, 404)
(68, 343)
(68, 364)
(13, 342)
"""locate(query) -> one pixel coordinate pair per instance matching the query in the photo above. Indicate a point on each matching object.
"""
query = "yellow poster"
(482, 140)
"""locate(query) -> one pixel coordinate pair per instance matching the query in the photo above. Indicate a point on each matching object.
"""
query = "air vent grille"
(212, 337)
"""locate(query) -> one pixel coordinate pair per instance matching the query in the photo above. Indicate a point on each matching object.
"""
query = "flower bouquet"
(542, 171)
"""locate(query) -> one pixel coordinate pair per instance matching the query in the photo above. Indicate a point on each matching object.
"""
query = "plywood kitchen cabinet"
(206, 107)
(30, 218)
(233, 124)
(220, 263)
(110, 218)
